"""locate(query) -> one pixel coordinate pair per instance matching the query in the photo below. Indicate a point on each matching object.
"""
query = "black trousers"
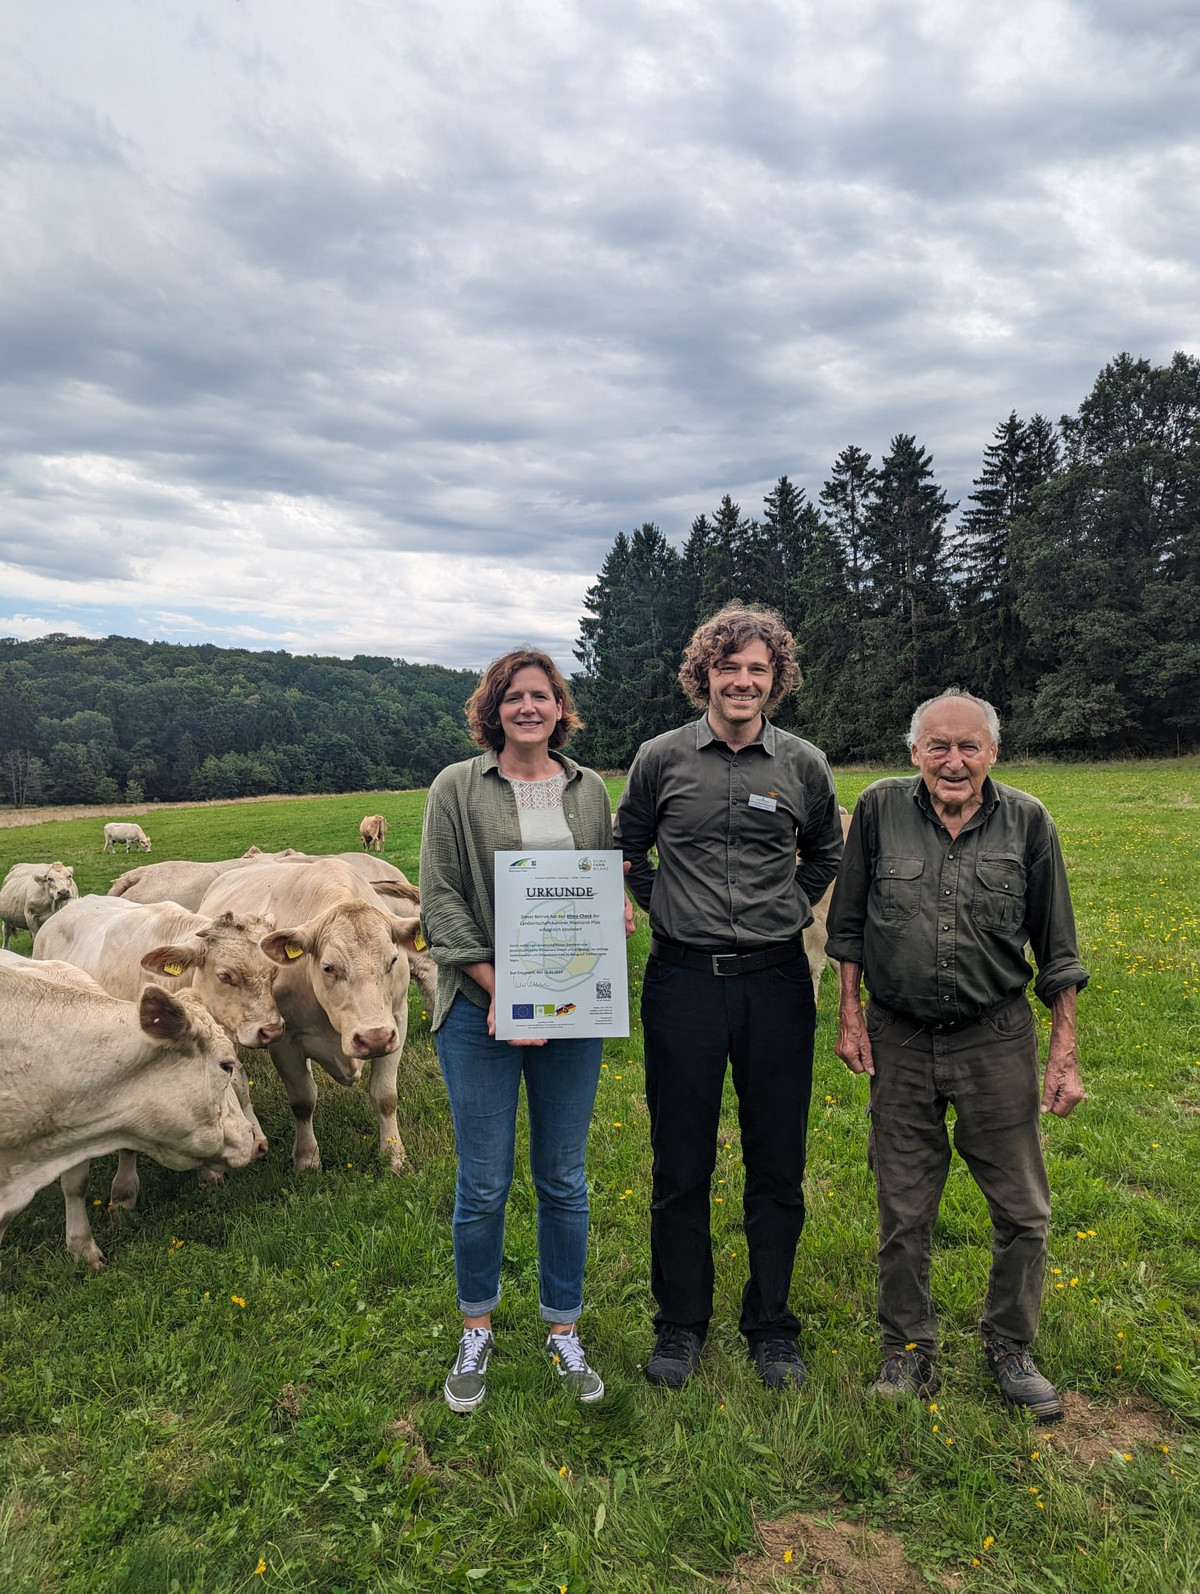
(763, 1024)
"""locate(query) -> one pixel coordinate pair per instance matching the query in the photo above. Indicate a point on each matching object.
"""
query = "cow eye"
(225, 979)
(329, 968)
(395, 960)
(227, 1067)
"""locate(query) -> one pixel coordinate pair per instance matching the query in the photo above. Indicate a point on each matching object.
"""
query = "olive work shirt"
(728, 827)
(939, 924)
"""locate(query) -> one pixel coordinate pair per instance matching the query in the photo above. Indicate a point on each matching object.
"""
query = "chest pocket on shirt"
(899, 886)
(999, 894)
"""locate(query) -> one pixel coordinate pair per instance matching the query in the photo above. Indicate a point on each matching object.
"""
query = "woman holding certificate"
(521, 793)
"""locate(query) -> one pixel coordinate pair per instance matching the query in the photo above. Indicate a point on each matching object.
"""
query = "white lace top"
(540, 812)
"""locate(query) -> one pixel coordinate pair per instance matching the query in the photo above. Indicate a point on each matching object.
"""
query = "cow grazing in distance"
(31, 893)
(373, 831)
(125, 946)
(342, 986)
(814, 936)
(132, 835)
(83, 1073)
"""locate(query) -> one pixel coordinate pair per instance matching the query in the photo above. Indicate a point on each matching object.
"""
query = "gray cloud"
(485, 286)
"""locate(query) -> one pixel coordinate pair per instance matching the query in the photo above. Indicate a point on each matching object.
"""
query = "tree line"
(118, 719)
(1068, 592)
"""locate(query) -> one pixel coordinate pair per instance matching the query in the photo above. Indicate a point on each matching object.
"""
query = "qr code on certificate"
(604, 990)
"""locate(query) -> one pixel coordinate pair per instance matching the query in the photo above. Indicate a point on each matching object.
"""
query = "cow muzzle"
(374, 1042)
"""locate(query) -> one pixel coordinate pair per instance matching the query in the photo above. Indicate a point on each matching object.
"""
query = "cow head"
(356, 958)
(225, 966)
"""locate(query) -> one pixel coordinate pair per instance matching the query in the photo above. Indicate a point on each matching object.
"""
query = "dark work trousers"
(989, 1073)
(763, 1023)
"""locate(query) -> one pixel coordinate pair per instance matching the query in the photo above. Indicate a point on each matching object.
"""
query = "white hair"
(991, 718)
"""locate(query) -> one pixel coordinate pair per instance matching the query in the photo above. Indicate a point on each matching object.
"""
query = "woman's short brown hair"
(483, 705)
(729, 631)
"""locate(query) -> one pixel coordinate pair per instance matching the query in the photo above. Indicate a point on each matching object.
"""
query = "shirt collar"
(989, 801)
(765, 738)
(490, 760)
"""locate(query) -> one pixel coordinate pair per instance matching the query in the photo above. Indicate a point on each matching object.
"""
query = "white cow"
(372, 831)
(132, 835)
(126, 946)
(31, 893)
(180, 880)
(342, 987)
(83, 1073)
(814, 936)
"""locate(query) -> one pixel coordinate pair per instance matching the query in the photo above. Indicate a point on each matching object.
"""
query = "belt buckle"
(719, 957)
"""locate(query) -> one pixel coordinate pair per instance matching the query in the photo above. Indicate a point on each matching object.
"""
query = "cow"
(83, 1073)
(132, 835)
(180, 880)
(127, 945)
(814, 936)
(31, 893)
(342, 986)
(373, 831)
(421, 966)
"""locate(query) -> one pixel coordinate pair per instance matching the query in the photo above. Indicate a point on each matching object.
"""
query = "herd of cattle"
(121, 1032)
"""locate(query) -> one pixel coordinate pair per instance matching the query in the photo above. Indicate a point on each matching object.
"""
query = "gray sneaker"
(1020, 1383)
(571, 1365)
(464, 1387)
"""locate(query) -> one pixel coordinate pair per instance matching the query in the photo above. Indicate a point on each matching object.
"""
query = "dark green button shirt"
(940, 924)
(729, 828)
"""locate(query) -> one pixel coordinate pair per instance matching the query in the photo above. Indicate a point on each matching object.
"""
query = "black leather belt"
(726, 963)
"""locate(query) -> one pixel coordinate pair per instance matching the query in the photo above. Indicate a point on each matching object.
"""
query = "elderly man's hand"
(853, 1042)
(1062, 1091)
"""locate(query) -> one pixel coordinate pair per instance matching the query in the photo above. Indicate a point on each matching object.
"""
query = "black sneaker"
(904, 1373)
(675, 1356)
(1020, 1382)
(779, 1362)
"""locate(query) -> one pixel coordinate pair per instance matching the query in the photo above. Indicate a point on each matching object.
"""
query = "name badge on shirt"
(767, 804)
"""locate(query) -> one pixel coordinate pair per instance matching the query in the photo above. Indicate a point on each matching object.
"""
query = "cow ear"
(285, 946)
(171, 960)
(40, 879)
(162, 1016)
(406, 933)
(396, 888)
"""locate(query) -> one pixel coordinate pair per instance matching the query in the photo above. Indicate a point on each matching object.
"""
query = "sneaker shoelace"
(570, 1352)
(675, 1344)
(471, 1349)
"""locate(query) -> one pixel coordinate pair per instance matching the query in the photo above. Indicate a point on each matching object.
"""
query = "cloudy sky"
(365, 326)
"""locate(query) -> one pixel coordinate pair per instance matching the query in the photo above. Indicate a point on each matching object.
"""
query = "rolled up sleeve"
(848, 905)
(1050, 921)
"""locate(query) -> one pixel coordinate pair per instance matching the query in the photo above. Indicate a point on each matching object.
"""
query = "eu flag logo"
(522, 1009)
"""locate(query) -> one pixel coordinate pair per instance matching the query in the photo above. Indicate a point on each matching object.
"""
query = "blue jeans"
(483, 1079)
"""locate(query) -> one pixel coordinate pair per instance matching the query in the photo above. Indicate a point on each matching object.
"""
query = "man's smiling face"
(954, 752)
(739, 687)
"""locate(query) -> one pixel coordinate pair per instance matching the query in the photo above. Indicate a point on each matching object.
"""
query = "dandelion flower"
(562, 1472)
(237, 1300)
(988, 1542)
(787, 1556)
(260, 1568)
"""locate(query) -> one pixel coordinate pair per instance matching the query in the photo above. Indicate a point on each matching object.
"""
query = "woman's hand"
(484, 974)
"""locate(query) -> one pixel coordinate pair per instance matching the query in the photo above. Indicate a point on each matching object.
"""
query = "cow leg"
(81, 1243)
(382, 1090)
(126, 1184)
(7, 934)
(296, 1072)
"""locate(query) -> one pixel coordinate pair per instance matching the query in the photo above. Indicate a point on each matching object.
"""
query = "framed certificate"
(560, 945)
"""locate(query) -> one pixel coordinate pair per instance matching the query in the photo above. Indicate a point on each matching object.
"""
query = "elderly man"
(946, 877)
(745, 821)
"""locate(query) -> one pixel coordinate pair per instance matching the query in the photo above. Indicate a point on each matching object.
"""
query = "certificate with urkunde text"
(560, 946)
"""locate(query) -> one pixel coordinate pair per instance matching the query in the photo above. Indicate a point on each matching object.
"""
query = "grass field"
(250, 1394)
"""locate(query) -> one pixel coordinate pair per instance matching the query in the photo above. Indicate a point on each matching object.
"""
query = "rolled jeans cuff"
(481, 1309)
(572, 1314)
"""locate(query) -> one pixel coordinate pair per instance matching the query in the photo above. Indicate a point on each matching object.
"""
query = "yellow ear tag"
(172, 968)
(293, 950)
(419, 942)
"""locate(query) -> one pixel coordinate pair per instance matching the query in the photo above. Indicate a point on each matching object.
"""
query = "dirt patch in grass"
(416, 1457)
(292, 1398)
(828, 1556)
(1090, 1432)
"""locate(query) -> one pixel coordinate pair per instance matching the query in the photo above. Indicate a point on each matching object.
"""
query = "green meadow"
(249, 1395)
